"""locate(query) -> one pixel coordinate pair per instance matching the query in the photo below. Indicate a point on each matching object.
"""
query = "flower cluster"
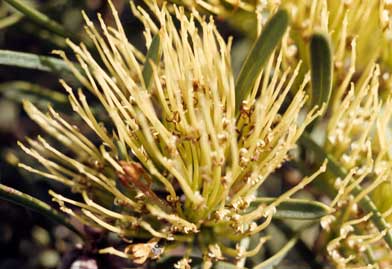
(171, 158)
(357, 136)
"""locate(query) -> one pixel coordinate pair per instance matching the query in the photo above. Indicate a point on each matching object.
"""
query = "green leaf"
(366, 203)
(25, 200)
(269, 38)
(38, 17)
(41, 63)
(40, 96)
(153, 54)
(33, 61)
(298, 209)
(278, 257)
(321, 69)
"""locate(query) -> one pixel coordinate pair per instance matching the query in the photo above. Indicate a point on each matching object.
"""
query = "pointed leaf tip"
(153, 54)
(265, 44)
(29, 202)
(321, 69)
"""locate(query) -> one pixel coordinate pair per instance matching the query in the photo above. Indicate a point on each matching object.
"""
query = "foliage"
(188, 166)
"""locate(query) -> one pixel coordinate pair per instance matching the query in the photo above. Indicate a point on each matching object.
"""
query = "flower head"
(357, 137)
(171, 157)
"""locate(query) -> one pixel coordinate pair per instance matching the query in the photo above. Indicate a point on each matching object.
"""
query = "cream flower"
(172, 153)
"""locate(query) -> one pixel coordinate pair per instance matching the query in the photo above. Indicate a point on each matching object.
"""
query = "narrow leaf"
(298, 209)
(25, 200)
(269, 38)
(153, 54)
(38, 17)
(321, 69)
(40, 96)
(33, 61)
(278, 257)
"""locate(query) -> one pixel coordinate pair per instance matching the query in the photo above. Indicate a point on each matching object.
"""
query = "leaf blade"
(14, 196)
(32, 61)
(262, 49)
(321, 69)
(20, 90)
(153, 54)
(39, 62)
(298, 209)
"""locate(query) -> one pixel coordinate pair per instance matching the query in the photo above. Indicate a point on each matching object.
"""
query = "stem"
(273, 261)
